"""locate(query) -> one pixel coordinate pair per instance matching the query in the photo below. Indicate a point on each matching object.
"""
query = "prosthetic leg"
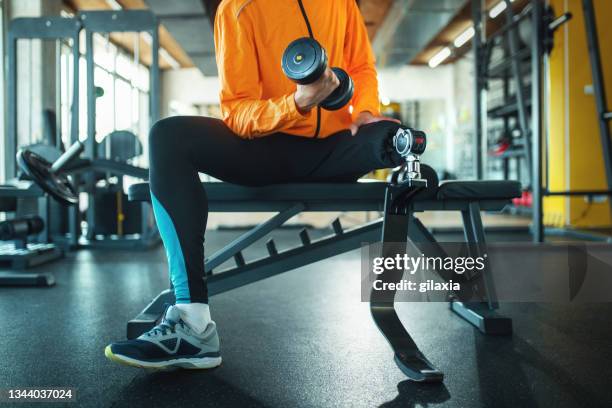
(410, 144)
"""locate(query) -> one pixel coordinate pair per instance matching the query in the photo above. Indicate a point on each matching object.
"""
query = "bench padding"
(362, 195)
(297, 192)
(482, 190)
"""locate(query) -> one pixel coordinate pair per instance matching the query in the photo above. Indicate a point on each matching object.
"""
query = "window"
(122, 101)
(2, 133)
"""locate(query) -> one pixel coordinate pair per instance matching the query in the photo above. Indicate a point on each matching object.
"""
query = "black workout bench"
(398, 224)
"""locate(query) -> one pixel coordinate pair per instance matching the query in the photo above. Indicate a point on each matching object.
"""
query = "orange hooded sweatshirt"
(256, 96)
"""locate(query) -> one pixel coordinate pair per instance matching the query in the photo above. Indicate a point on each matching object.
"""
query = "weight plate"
(59, 185)
(304, 61)
(341, 95)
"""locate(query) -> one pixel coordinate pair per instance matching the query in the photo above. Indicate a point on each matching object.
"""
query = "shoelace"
(164, 326)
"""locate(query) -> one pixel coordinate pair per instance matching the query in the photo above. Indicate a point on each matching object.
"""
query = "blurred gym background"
(501, 95)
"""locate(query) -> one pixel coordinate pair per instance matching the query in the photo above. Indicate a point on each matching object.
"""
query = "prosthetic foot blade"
(417, 367)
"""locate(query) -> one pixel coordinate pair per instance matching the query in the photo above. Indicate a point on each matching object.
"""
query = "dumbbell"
(20, 228)
(50, 176)
(305, 60)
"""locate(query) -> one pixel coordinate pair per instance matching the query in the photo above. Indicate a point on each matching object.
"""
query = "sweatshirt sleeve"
(242, 107)
(360, 63)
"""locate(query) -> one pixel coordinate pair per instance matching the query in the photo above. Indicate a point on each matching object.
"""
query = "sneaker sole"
(187, 363)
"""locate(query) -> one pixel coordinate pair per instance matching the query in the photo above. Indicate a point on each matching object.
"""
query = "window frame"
(136, 126)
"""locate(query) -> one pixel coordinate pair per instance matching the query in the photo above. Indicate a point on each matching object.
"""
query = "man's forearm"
(366, 92)
(250, 118)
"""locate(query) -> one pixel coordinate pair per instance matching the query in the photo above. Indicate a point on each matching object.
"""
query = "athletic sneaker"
(172, 343)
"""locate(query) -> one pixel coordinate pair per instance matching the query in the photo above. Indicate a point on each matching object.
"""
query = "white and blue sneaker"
(170, 344)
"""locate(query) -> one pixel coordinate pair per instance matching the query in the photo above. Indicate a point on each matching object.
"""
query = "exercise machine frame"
(42, 28)
(535, 135)
(106, 22)
(25, 197)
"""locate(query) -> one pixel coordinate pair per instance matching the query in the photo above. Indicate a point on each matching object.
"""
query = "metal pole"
(91, 132)
(476, 47)
(516, 72)
(4, 10)
(74, 227)
(91, 99)
(598, 87)
(74, 108)
(507, 132)
(154, 76)
(11, 132)
(58, 94)
(537, 52)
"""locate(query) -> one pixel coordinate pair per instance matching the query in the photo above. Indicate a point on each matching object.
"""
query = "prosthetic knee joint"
(410, 144)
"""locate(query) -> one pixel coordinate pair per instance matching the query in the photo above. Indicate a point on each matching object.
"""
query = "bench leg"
(245, 240)
(482, 314)
(408, 357)
(486, 320)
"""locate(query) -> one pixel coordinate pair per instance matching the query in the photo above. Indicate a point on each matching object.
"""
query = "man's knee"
(377, 138)
(380, 134)
(162, 133)
(381, 128)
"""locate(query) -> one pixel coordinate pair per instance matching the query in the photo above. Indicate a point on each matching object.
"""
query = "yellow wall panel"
(555, 211)
(576, 160)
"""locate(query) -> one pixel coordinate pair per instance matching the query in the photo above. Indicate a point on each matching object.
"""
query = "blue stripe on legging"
(174, 252)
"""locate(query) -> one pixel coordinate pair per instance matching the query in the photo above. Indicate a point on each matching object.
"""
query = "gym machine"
(539, 22)
(24, 243)
(603, 115)
(57, 178)
(46, 28)
(111, 220)
(32, 245)
(502, 63)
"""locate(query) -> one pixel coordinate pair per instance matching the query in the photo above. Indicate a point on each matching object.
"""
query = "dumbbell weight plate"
(341, 95)
(57, 185)
(304, 61)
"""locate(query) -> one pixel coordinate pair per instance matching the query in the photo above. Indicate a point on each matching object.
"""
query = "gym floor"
(301, 339)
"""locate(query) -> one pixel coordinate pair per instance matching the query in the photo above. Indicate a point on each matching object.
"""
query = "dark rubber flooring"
(302, 339)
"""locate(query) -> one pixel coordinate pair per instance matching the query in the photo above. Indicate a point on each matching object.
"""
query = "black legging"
(181, 147)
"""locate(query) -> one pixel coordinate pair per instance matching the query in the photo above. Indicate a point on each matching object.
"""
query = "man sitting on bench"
(272, 132)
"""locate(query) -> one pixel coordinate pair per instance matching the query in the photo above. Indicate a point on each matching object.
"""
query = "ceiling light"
(114, 5)
(498, 8)
(146, 37)
(169, 58)
(464, 37)
(437, 59)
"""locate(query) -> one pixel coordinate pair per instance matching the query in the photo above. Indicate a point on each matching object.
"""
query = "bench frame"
(397, 225)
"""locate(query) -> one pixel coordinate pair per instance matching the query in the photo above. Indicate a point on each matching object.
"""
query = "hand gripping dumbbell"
(410, 144)
(305, 60)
